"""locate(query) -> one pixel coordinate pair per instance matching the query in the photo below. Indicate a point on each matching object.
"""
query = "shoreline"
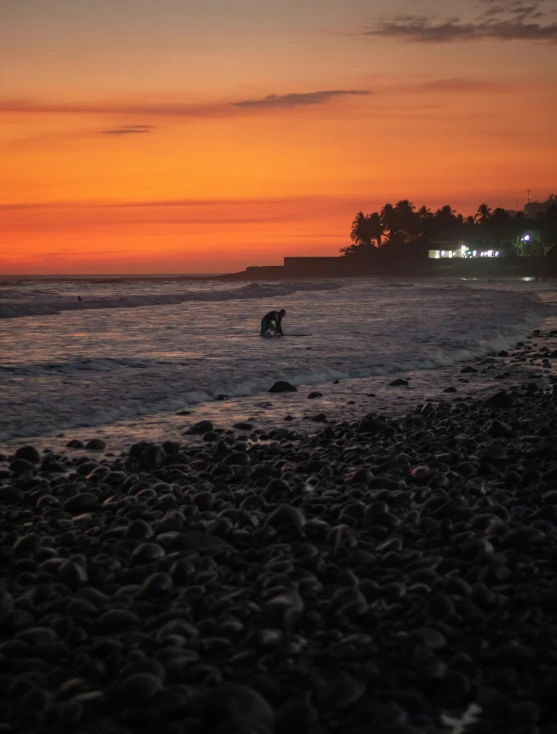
(335, 397)
(387, 571)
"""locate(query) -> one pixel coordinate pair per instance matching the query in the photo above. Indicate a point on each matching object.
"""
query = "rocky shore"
(390, 574)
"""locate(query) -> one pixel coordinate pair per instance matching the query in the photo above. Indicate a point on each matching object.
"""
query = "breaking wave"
(141, 406)
(19, 303)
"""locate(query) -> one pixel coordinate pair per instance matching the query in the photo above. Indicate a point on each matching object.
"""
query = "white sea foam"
(18, 301)
(460, 724)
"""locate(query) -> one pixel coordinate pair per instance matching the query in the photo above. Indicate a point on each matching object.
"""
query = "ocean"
(144, 358)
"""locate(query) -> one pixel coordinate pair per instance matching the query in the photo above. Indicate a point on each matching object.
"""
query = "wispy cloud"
(177, 109)
(462, 84)
(171, 203)
(144, 109)
(129, 130)
(296, 99)
(514, 21)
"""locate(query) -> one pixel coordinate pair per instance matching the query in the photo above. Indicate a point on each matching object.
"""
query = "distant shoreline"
(110, 278)
(249, 277)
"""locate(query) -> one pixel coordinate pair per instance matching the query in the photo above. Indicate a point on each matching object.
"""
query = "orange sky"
(143, 137)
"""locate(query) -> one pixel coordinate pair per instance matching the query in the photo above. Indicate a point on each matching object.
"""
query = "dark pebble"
(282, 386)
(148, 553)
(28, 453)
(118, 620)
(201, 427)
(231, 702)
(82, 502)
(95, 444)
(157, 583)
(21, 466)
(138, 688)
(286, 516)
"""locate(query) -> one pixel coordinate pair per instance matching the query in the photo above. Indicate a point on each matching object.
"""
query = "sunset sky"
(167, 136)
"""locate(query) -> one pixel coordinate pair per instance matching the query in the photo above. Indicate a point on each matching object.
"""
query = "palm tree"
(389, 221)
(375, 228)
(445, 217)
(365, 229)
(405, 207)
(446, 211)
(424, 214)
(387, 215)
(406, 221)
(360, 230)
(483, 214)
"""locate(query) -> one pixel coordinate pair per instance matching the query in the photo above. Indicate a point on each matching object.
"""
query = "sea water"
(144, 358)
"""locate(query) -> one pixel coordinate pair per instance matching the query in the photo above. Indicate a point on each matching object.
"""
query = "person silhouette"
(271, 323)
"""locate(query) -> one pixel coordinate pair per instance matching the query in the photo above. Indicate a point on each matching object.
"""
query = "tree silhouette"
(402, 225)
(388, 220)
(483, 214)
(360, 230)
(425, 214)
(445, 218)
(375, 228)
(500, 223)
(365, 230)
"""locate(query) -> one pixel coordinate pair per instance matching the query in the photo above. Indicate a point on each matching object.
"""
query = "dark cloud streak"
(130, 130)
(186, 111)
(171, 203)
(515, 21)
(298, 100)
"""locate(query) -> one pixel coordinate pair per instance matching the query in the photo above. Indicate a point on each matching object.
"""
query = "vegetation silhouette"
(394, 230)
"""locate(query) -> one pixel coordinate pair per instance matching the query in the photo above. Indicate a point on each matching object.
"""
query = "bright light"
(526, 238)
(474, 253)
(463, 248)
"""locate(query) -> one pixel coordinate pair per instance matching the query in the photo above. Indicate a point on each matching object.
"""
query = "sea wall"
(345, 267)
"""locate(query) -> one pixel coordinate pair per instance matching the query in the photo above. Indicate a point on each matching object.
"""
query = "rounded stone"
(36, 635)
(153, 457)
(29, 543)
(234, 702)
(139, 529)
(81, 503)
(95, 444)
(72, 574)
(10, 495)
(283, 386)
(22, 466)
(118, 620)
(28, 453)
(157, 583)
(202, 427)
(286, 516)
(138, 688)
(148, 553)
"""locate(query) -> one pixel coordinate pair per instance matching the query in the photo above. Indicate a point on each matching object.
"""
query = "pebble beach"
(385, 572)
